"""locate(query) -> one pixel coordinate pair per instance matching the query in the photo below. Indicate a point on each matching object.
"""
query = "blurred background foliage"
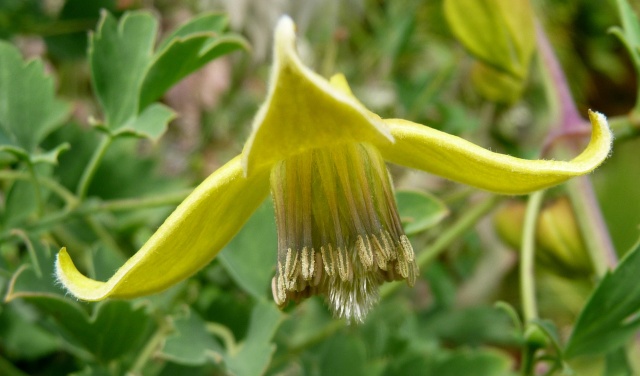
(440, 63)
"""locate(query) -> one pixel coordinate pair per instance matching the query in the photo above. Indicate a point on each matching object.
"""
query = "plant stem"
(88, 208)
(164, 328)
(226, 335)
(527, 254)
(55, 187)
(90, 170)
(36, 188)
(592, 226)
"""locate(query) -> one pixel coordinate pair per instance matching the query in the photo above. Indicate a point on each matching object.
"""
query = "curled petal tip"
(430, 150)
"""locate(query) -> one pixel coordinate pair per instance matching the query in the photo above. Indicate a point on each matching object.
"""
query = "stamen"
(339, 233)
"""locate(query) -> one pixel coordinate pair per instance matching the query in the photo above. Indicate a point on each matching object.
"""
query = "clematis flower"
(321, 154)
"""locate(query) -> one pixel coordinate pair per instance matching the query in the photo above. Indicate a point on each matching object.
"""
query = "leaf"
(151, 124)
(500, 33)
(114, 329)
(612, 313)
(629, 35)
(617, 364)
(205, 23)
(183, 56)
(344, 355)
(190, 343)
(419, 210)
(128, 76)
(251, 256)
(256, 351)
(29, 110)
(467, 363)
(119, 54)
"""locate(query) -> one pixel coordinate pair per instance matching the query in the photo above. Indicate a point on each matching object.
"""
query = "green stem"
(104, 235)
(55, 187)
(225, 335)
(89, 208)
(36, 188)
(330, 329)
(625, 126)
(164, 329)
(527, 261)
(173, 198)
(448, 237)
(92, 167)
(592, 226)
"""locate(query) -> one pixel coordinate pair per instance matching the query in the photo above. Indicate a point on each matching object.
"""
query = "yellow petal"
(189, 239)
(427, 149)
(304, 111)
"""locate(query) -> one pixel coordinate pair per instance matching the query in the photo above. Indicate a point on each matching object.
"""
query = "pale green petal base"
(430, 150)
(187, 241)
(303, 111)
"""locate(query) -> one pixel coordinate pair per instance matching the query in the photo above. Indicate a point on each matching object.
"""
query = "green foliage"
(128, 75)
(29, 110)
(610, 317)
(629, 35)
(111, 188)
(419, 211)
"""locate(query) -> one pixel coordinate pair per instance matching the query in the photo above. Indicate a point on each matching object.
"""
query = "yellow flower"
(321, 153)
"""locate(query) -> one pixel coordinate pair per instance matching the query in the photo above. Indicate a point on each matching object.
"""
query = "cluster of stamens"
(339, 233)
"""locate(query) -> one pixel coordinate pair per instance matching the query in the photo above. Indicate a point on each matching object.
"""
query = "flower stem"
(527, 254)
(90, 170)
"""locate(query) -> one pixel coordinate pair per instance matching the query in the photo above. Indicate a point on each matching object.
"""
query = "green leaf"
(183, 56)
(419, 210)
(190, 343)
(255, 352)
(344, 355)
(205, 23)
(29, 110)
(467, 363)
(128, 76)
(21, 336)
(114, 329)
(251, 256)
(629, 35)
(500, 32)
(151, 124)
(617, 364)
(119, 54)
(612, 313)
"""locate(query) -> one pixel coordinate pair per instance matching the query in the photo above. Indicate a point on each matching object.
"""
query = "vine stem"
(165, 328)
(55, 187)
(527, 257)
(36, 188)
(92, 167)
(593, 228)
(570, 128)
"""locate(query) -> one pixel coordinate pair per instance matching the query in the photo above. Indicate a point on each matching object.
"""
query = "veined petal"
(189, 239)
(430, 150)
(303, 111)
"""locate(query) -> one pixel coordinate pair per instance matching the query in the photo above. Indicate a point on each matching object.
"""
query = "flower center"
(339, 233)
